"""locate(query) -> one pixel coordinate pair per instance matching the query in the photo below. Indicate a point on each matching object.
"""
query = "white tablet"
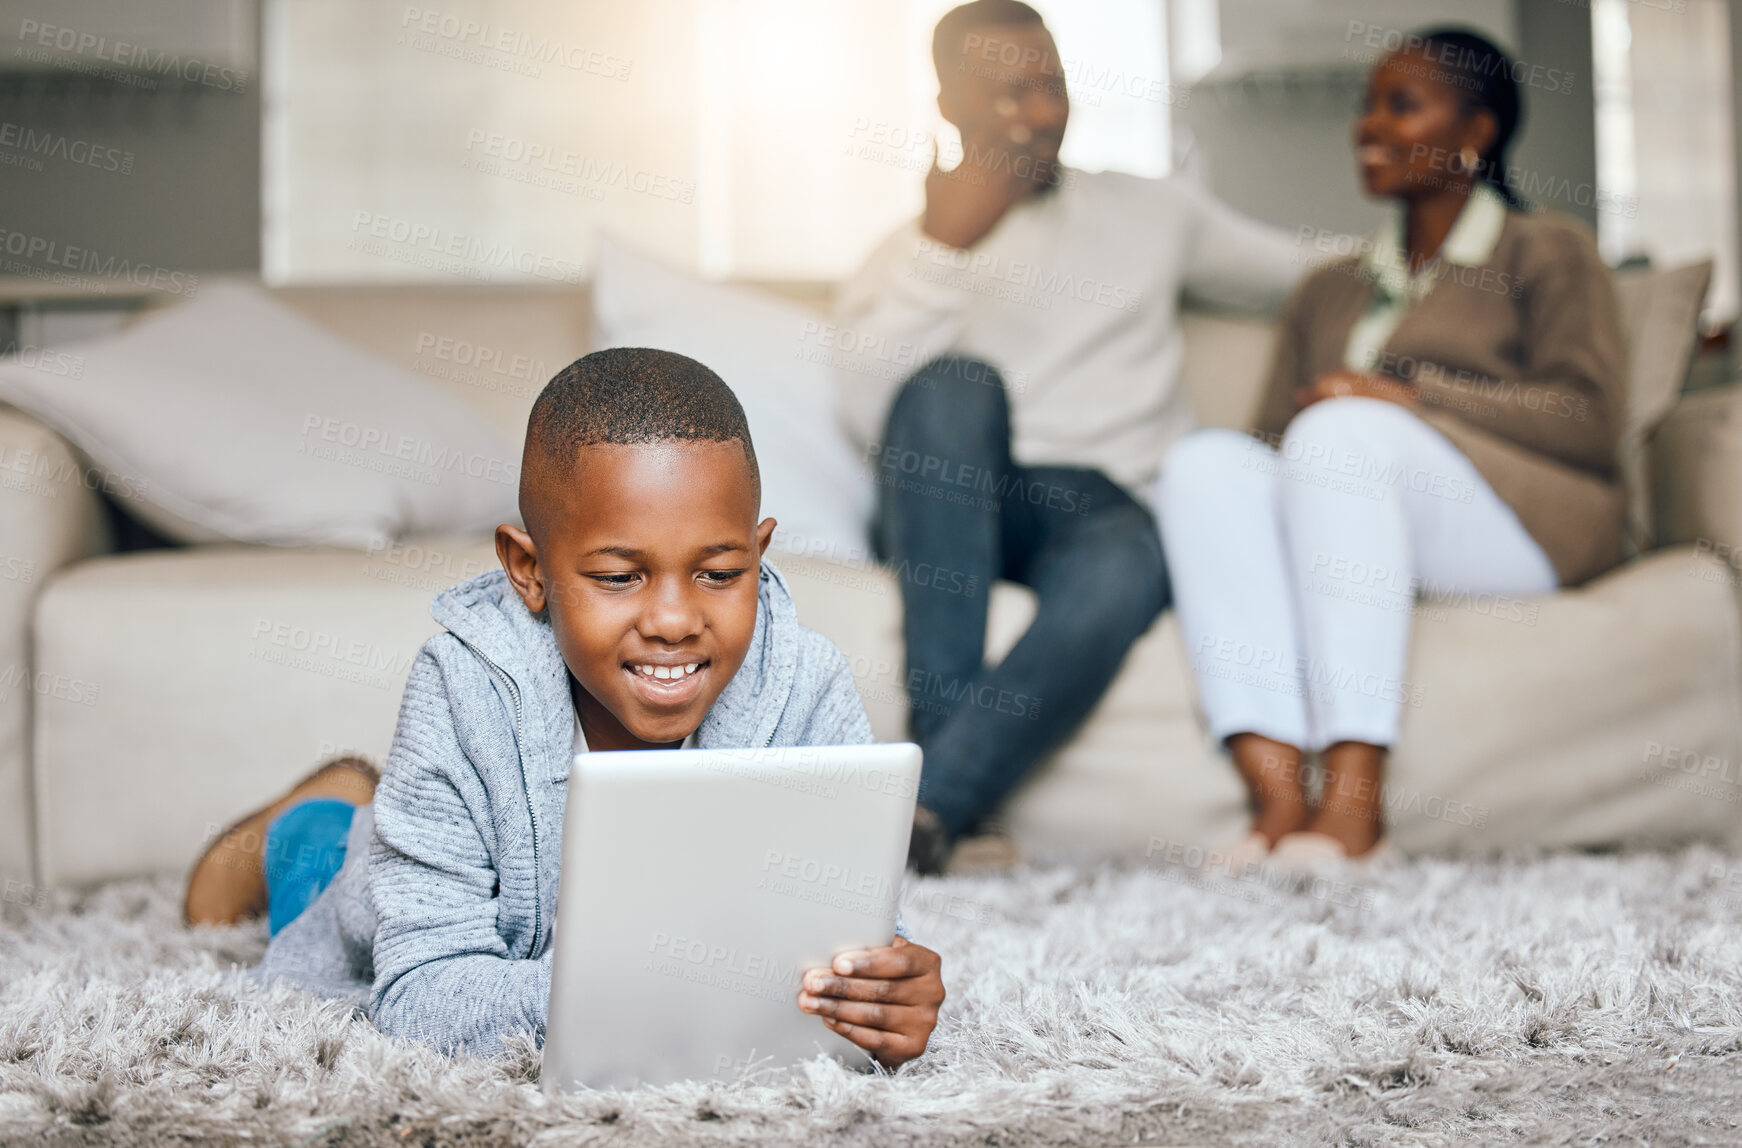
(697, 886)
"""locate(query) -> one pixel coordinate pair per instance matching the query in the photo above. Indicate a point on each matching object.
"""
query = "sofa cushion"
(1530, 724)
(229, 417)
(1226, 364)
(1660, 310)
(215, 676)
(1698, 487)
(1603, 715)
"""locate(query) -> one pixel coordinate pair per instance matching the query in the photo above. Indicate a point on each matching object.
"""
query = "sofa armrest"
(1697, 461)
(49, 518)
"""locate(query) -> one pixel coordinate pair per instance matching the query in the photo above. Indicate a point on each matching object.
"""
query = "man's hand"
(963, 204)
(1348, 384)
(883, 1000)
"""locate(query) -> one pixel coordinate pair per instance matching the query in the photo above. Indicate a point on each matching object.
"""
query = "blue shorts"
(305, 846)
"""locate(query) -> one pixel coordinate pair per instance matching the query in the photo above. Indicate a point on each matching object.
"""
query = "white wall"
(220, 32)
(1270, 128)
(145, 122)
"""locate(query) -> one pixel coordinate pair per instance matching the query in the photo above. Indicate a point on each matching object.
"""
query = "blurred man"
(1043, 301)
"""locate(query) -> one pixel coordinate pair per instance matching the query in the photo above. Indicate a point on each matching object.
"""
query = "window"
(1664, 138)
(775, 139)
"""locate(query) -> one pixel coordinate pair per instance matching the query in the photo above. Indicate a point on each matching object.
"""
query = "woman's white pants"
(1296, 568)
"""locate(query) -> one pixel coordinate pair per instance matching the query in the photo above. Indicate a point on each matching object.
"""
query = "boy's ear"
(764, 535)
(518, 554)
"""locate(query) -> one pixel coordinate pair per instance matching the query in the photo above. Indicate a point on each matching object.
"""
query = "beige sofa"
(146, 699)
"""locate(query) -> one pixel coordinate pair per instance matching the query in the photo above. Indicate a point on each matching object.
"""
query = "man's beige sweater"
(1074, 297)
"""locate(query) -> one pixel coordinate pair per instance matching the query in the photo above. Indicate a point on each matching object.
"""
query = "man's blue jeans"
(955, 514)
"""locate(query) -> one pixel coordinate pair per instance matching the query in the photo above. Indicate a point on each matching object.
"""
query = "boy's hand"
(883, 1000)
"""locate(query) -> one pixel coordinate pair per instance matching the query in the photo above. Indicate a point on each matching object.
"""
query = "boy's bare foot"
(1271, 770)
(1351, 807)
(228, 882)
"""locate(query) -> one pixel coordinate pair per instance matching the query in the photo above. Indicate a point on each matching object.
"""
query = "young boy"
(633, 612)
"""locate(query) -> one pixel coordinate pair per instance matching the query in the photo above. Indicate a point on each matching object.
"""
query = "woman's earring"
(1469, 158)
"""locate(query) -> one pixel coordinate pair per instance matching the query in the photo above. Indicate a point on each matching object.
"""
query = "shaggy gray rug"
(1564, 999)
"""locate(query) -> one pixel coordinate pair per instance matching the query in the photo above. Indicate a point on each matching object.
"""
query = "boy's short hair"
(628, 395)
(947, 38)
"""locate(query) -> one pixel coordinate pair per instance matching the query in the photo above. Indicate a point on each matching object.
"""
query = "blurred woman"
(1441, 418)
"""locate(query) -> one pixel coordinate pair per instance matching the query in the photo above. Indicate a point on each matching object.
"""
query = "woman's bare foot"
(1351, 807)
(1271, 770)
(228, 882)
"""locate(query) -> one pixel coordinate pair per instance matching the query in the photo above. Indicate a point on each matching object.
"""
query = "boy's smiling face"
(648, 558)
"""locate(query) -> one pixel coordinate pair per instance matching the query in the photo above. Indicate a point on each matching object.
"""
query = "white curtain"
(492, 140)
(1665, 138)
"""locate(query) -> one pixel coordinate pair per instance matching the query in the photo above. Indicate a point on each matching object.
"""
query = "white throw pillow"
(813, 481)
(230, 417)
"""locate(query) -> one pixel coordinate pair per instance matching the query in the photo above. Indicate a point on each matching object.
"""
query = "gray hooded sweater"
(439, 922)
